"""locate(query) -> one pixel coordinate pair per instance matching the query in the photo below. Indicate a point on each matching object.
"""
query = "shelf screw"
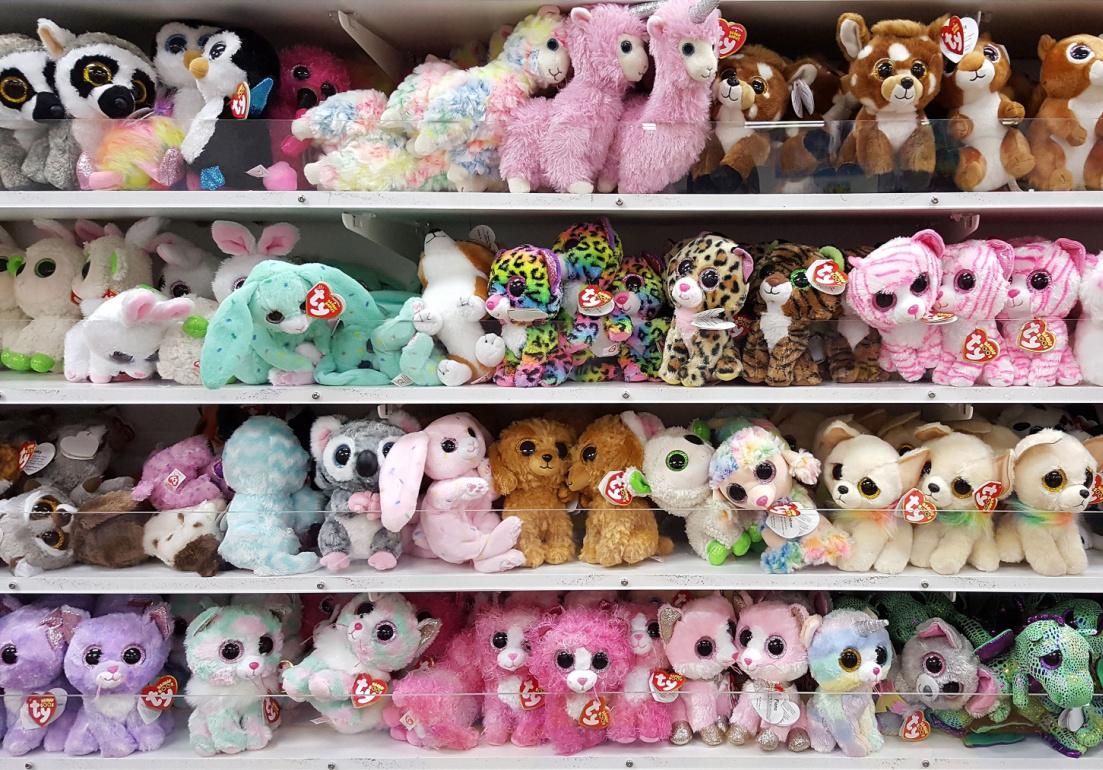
(931, 395)
(629, 763)
(926, 763)
(321, 586)
(620, 201)
(924, 584)
(331, 766)
(302, 199)
(934, 201)
(624, 582)
(626, 395)
(316, 395)
(27, 766)
(12, 586)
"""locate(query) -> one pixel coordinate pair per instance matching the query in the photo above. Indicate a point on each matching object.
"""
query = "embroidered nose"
(254, 665)
(1012, 293)
(112, 669)
(513, 656)
(934, 488)
(748, 661)
(1084, 493)
(546, 458)
(907, 82)
(843, 490)
(876, 670)
(683, 287)
(913, 310)
(761, 501)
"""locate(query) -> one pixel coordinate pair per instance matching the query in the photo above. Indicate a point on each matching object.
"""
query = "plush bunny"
(234, 654)
(110, 659)
(35, 531)
(33, 643)
(245, 251)
(122, 336)
(267, 469)
(642, 712)
(457, 522)
(115, 262)
(12, 318)
(188, 270)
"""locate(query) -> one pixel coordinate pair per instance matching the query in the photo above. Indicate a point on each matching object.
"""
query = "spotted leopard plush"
(706, 280)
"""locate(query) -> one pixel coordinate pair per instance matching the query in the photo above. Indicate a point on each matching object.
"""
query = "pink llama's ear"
(1075, 250)
(278, 240)
(581, 15)
(931, 240)
(655, 26)
(233, 238)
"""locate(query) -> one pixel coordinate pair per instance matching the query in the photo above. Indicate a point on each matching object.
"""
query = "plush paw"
(15, 361)
(471, 308)
(428, 322)
(310, 352)
(453, 373)
(42, 363)
(717, 552)
(490, 350)
(473, 489)
(335, 561)
(382, 561)
(580, 188)
(519, 185)
(281, 377)
(365, 502)
(99, 379)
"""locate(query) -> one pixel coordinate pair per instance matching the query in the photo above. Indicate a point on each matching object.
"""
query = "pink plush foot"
(506, 561)
(281, 176)
(280, 377)
(336, 561)
(503, 537)
(383, 560)
(633, 373)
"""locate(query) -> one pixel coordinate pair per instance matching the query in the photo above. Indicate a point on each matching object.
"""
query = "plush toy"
(895, 72)
(456, 522)
(468, 110)
(12, 319)
(1064, 134)
(1044, 288)
(699, 641)
(122, 336)
(706, 280)
(852, 347)
(267, 469)
(399, 351)
(796, 287)
(43, 283)
(35, 531)
(528, 464)
(895, 290)
(643, 711)
(187, 539)
(638, 296)
(865, 478)
(524, 294)
(348, 456)
(620, 528)
(28, 112)
(33, 643)
(113, 655)
(1054, 477)
(184, 474)
(245, 251)
(176, 45)
(234, 656)
(109, 529)
(849, 653)
(84, 449)
(187, 269)
(1089, 327)
(770, 651)
(563, 143)
(115, 262)
(453, 277)
(650, 150)
(817, 93)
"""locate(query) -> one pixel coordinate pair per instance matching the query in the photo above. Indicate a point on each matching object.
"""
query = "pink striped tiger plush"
(975, 277)
(894, 289)
(1044, 288)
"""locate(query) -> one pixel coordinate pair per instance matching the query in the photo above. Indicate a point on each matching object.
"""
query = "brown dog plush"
(620, 529)
(1065, 136)
(895, 71)
(529, 466)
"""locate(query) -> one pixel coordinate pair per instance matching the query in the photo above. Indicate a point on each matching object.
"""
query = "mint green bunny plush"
(403, 353)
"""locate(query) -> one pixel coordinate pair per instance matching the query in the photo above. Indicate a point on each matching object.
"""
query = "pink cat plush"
(893, 290)
(640, 714)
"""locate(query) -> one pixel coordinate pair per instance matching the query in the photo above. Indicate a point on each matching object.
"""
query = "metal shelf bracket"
(389, 58)
(966, 225)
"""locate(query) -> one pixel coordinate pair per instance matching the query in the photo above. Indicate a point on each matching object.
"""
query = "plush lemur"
(176, 46)
(27, 103)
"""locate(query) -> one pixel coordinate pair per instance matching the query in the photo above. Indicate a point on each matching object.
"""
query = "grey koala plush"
(349, 455)
(82, 452)
(28, 106)
(35, 531)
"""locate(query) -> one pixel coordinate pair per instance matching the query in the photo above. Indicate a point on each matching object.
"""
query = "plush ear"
(228, 338)
(142, 233)
(137, 306)
(1094, 445)
(505, 480)
(700, 429)
(655, 26)
(278, 240)
(54, 37)
(233, 238)
(549, 11)
(911, 466)
(741, 600)
(1076, 251)
(1045, 45)
(7, 243)
(834, 434)
(931, 240)
(60, 624)
(988, 693)
(581, 16)
(1003, 472)
(177, 251)
(803, 466)
(161, 616)
(202, 620)
(936, 628)
(806, 73)
(87, 230)
(1043, 437)
(889, 423)
(9, 603)
(428, 629)
(808, 629)
(800, 614)
(170, 310)
(932, 430)
(1005, 255)
(54, 229)
(400, 479)
(643, 425)
(748, 263)
(668, 615)
(400, 418)
(851, 34)
(321, 432)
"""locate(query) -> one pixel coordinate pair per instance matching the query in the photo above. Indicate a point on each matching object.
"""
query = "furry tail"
(665, 547)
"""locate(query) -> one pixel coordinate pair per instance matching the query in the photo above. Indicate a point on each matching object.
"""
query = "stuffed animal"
(43, 282)
(895, 72)
(115, 262)
(1044, 288)
(563, 143)
(84, 449)
(706, 281)
(234, 655)
(12, 319)
(644, 711)
(894, 289)
(468, 110)
(865, 478)
(122, 336)
(806, 157)
(528, 464)
(267, 469)
(1089, 327)
(456, 520)
(27, 114)
(33, 643)
(181, 475)
(770, 651)
(111, 658)
(401, 352)
(852, 348)
(176, 45)
(849, 653)
(1054, 477)
(638, 296)
(994, 152)
(35, 531)
(187, 539)
(699, 641)
(187, 269)
(244, 251)
(1064, 134)
(109, 530)
(620, 528)
(348, 456)
(651, 151)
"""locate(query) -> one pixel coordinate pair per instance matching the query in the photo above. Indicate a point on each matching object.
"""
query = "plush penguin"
(236, 75)
(27, 105)
(176, 45)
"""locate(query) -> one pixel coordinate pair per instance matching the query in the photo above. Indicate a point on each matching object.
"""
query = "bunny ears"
(141, 235)
(235, 239)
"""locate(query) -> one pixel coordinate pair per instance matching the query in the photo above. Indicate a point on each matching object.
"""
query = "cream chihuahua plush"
(966, 479)
(1053, 475)
(865, 477)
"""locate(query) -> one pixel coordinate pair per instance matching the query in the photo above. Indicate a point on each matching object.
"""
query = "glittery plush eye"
(1055, 480)
(850, 659)
(745, 636)
(384, 632)
(653, 629)
(933, 664)
(837, 471)
(132, 656)
(499, 640)
(920, 284)
(527, 448)
(961, 488)
(564, 659)
(965, 281)
(882, 656)
(677, 460)
(758, 85)
(589, 454)
(230, 651)
(1039, 281)
(92, 656)
(600, 661)
(868, 488)
(884, 69)
(775, 645)
(736, 493)
(626, 46)
(919, 69)
(884, 300)
(688, 49)
(764, 471)
(705, 647)
(1052, 660)
(991, 53)
(9, 654)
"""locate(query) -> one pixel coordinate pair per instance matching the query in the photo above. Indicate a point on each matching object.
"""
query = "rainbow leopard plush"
(638, 292)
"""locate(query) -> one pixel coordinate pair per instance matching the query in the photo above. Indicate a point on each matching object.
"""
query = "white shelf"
(681, 570)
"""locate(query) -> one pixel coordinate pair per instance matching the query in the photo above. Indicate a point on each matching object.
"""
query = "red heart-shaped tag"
(1097, 489)
(827, 276)
(26, 452)
(271, 710)
(1035, 337)
(987, 496)
(239, 101)
(614, 488)
(784, 508)
(915, 726)
(366, 690)
(667, 681)
(732, 37)
(953, 36)
(979, 348)
(595, 715)
(158, 696)
(42, 708)
(592, 297)
(323, 303)
(532, 697)
(916, 507)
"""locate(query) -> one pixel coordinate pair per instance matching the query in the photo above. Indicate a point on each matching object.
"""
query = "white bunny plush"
(188, 270)
(122, 336)
(12, 319)
(247, 251)
(116, 262)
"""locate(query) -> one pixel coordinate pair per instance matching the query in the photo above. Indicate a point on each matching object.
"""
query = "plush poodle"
(644, 711)
(528, 464)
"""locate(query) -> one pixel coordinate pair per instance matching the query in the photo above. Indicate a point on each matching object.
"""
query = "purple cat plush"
(180, 476)
(39, 712)
(110, 660)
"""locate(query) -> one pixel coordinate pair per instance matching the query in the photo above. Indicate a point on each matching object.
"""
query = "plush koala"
(35, 531)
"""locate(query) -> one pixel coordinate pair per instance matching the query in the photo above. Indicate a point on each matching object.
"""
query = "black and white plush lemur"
(237, 73)
(28, 106)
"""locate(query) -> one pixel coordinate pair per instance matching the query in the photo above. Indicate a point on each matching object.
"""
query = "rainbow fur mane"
(139, 154)
(745, 448)
(1035, 518)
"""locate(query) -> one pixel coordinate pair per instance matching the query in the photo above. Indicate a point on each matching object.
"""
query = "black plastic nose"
(306, 98)
(933, 488)
(843, 490)
(47, 106)
(1084, 493)
(732, 80)
(116, 102)
(366, 463)
(546, 458)
(951, 687)
(907, 82)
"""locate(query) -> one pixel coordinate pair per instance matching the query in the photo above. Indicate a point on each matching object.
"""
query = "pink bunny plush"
(1044, 288)
(181, 475)
(457, 522)
(893, 290)
(644, 711)
(975, 275)
(246, 251)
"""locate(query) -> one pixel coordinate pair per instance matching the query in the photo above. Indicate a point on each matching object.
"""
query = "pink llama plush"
(562, 143)
(457, 522)
(1044, 289)
(699, 641)
(182, 475)
(581, 659)
(661, 135)
(975, 277)
(644, 710)
(894, 290)
(771, 653)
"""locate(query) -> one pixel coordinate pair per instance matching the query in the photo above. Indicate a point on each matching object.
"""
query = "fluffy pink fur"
(705, 697)
(439, 701)
(1061, 263)
(562, 141)
(639, 717)
(897, 269)
(975, 277)
(324, 68)
(453, 610)
(676, 112)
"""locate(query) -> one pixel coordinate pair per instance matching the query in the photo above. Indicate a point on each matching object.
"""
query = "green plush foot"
(717, 553)
(41, 363)
(15, 361)
(742, 545)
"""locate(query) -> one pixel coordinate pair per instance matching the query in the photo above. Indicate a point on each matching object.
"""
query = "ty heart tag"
(366, 690)
(979, 348)
(958, 37)
(239, 101)
(784, 507)
(83, 445)
(1097, 490)
(595, 715)
(322, 303)
(594, 301)
(156, 698)
(664, 685)
(732, 37)
(825, 275)
(34, 457)
(775, 708)
(938, 317)
(987, 496)
(532, 697)
(271, 708)
(915, 726)
(1035, 337)
(42, 708)
(791, 527)
(916, 508)
(614, 488)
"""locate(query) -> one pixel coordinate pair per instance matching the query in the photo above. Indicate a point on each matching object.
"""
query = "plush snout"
(250, 668)
(686, 292)
(581, 681)
(295, 325)
(902, 89)
(110, 677)
(511, 659)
